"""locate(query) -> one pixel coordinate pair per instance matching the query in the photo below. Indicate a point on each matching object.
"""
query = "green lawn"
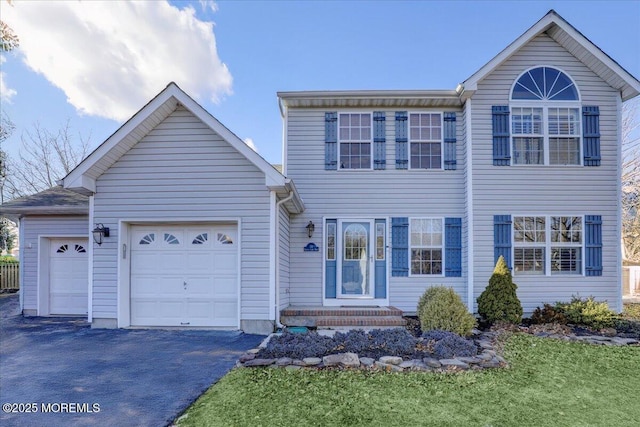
(549, 383)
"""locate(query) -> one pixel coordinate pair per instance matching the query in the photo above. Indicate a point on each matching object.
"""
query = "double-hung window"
(355, 137)
(545, 119)
(425, 137)
(547, 245)
(426, 246)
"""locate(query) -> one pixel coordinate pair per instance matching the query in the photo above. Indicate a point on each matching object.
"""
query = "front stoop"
(342, 317)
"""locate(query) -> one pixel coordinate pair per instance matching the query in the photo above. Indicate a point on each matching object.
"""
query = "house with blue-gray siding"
(381, 195)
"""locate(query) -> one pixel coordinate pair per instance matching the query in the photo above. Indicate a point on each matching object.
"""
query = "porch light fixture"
(310, 228)
(99, 232)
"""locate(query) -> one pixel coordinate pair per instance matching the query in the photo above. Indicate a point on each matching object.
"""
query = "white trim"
(548, 245)
(123, 312)
(43, 274)
(337, 302)
(470, 85)
(285, 137)
(618, 228)
(273, 217)
(515, 81)
(170, 97)
(23, 249)
(469, 208)
(409, 141)
(442, 246)
(370, 261)
(90, 260)
(339, 141)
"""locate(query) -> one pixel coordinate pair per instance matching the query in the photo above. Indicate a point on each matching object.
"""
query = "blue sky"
(98, 70)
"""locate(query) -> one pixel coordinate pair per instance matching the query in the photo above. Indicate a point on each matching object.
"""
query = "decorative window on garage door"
(225, 239)
(148, 239)
(171, 239)
(200, 239)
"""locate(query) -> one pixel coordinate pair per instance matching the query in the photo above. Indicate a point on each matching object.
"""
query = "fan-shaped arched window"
(545, 83)
(545, 118)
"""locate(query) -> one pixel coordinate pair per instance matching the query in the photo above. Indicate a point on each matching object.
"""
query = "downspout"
(277, 259)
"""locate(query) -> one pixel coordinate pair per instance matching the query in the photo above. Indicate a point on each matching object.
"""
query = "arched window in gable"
(546, 125)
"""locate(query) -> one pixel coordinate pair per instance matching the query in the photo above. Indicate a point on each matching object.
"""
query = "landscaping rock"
(253, 350)
(293, 367)
(608, 332)
(409, 364)
(431, 362)
(470, 360)
(346, 360)
(312, 361)
(246, 357)
(388, 367)
(391, 360)
(624, 341)
(259, 362)
(454, 362)
(367, 361)
(284, 361)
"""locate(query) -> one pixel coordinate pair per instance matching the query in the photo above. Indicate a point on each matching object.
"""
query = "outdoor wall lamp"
(310, 228)
(99, 232)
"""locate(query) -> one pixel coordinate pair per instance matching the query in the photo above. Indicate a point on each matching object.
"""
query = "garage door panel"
(203, 257)
(68, 285)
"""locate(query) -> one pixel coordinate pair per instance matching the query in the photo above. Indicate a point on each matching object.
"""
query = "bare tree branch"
(44, 158)
(631, 180)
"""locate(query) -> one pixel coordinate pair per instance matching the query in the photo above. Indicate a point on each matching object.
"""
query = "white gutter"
(276, 247)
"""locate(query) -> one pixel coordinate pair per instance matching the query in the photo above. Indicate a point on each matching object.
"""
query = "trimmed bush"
(548, 314)
(441, 308)
(499, 301)
(587, 312)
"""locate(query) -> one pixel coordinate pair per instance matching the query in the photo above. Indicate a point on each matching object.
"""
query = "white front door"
(355, 269)
(68, 276)
(184, 275)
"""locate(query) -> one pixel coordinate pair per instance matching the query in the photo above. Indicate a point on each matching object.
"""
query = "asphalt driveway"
(108, 377)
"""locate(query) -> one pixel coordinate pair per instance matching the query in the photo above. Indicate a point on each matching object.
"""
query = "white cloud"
(251, 144)
(6, 93)
(208, 4)
(110, 57)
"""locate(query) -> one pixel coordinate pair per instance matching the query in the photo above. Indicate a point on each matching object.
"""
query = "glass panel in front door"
(355, 259)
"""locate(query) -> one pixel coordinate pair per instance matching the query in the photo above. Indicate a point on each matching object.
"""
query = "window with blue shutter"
(379, 140)
(501, 139)
(400, 247)
(331, 141)
(591, 135)
(502, 238)
(449, 141)
(402, 156)
(593, 245)
(453, 247)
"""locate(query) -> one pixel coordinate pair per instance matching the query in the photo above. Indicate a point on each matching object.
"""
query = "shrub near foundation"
(499, 301)
(441, 308)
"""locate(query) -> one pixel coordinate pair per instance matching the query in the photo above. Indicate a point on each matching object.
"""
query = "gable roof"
(53, 201)
(82, 179)
(575, 42)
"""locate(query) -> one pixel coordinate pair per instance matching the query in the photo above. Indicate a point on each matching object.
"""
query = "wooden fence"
(9, 276)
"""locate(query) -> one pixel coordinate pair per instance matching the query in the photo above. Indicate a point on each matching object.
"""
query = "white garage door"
(68, 276)
(184, 276)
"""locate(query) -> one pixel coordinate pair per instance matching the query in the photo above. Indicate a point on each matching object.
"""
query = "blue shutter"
(400, 247)
(591, 135)
(449, 141)
(379, 140)
(502, 238)
(453, 247)
(330, 270)
(381, 268)
(593, 245)
(501, 140)
(331, 141)
(402, 159)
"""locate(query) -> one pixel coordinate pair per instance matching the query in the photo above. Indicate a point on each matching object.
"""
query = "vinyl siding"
(367, 194)
(283, 261)
(545, 190)
(183, 170)
(32, 228)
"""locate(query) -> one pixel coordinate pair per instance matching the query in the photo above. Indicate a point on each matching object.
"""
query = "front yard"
(549, 383)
